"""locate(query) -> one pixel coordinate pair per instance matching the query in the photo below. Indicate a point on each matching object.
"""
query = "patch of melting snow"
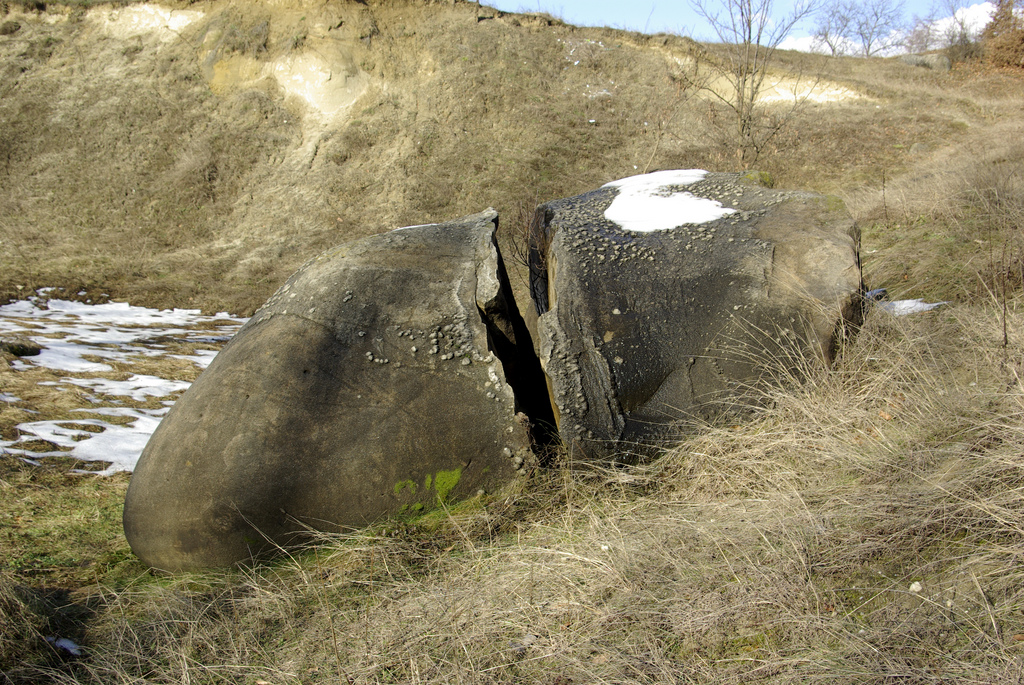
(138, 387)
(201, 358)
(118, 444)
(877, 297)
(117, 332)
(70, 331)
(905, 307)
(656, 202)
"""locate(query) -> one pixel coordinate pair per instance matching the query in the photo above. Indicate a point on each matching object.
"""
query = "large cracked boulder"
(662, 297)
(378, 380)
(395, 373)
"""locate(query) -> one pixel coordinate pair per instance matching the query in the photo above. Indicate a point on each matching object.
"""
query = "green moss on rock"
(445, 482)
(404, 484)
(761, 178)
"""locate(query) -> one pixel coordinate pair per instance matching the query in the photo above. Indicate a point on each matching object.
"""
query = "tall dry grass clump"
(18, 630)
(951, 229)
(991, 210)
(878, 504)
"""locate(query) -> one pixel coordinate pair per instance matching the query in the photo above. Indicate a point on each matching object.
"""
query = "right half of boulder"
(663, 297)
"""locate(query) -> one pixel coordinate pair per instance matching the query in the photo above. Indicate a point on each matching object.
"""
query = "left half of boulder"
(375, 382)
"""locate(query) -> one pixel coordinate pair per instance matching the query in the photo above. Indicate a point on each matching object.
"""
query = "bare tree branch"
(868, 27)
(835, 26)
(750, 33)
(878, 25)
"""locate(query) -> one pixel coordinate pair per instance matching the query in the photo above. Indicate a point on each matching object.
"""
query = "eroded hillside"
(197, 153)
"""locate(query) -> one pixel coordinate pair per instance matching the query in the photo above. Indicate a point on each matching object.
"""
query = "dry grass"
(951, 227)
(16, 625)
(785, 549)
(214, 196)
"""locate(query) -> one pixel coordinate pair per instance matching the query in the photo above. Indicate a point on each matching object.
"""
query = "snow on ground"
(905, 307)
(86, 339)
(72, 331)
(138, 387)
(655, 202)
(118, 444)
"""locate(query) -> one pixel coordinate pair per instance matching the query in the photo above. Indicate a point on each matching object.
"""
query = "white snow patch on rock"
(655, 202)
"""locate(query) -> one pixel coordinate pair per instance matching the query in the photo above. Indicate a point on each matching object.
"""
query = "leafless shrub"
(960, 41)
(750, 34)
(867, 28)
(922, 35)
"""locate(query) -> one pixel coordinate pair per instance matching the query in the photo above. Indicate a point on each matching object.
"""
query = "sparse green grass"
(61, 528)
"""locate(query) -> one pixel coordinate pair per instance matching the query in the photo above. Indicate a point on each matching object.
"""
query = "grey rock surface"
(19, 347)
(395, 373)
(641, 329)
(369, 385)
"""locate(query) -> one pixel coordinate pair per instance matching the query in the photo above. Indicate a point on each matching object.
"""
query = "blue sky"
(675, 16)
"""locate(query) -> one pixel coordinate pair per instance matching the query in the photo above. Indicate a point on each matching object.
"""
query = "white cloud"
(973, 18)
(801, 44)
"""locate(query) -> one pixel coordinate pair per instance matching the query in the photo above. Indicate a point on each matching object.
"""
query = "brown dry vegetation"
(782, 549)
(214, 185)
